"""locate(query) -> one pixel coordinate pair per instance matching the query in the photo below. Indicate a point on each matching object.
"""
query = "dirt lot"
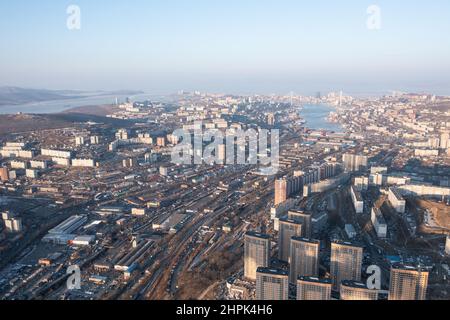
(201, 284)
(22, 123)
(93, 110)
(440, 212)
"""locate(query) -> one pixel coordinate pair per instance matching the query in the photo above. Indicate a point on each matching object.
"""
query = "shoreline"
(312, 122)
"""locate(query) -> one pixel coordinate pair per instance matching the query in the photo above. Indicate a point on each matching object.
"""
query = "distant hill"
(17, 96)
(17, 123)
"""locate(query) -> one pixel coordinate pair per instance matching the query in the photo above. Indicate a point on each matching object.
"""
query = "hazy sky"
(163, 46)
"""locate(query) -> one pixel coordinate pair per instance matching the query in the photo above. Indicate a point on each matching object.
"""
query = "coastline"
(316, 117)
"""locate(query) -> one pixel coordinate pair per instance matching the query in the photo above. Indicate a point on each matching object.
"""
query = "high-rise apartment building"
(353, 162)
(122, 134)
(445, 141)
(286, 187)
(161, 141)
(346, 263)
(95, 139)
(447, 246)
(256, 253)
(4, 174)
(272, 284)
(304, 258)
(271, 119)
(397, 201)
(12, 223)
(357, 199)
(312, 288)
(280, 191)
(305, 219)
(408, 283)
(287, 229)
(79, 141)
(379, 223)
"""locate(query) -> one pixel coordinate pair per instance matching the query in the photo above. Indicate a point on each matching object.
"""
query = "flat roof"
(379, 215)
(272, 271)
(357, 194)
(314, 280)
(300, 213)
(292, 221)
(302, 239)
(346, 243)
(354, 284)
(257, 235)
(408, 267)
(396, 193)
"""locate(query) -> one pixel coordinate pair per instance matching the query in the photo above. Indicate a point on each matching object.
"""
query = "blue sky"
(162, 46)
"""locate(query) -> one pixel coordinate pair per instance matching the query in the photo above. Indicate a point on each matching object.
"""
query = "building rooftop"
(379, 215)
(299, 213)
(354, 284)
(314, 280)
(272, 271)
(257, 235)
(408, 267)
(291, 221)
(396, 193)
(302, 239)
(357, 194)
(346, 243)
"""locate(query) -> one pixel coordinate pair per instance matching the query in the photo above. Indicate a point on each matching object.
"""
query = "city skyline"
(357, 207)
(221, 157)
